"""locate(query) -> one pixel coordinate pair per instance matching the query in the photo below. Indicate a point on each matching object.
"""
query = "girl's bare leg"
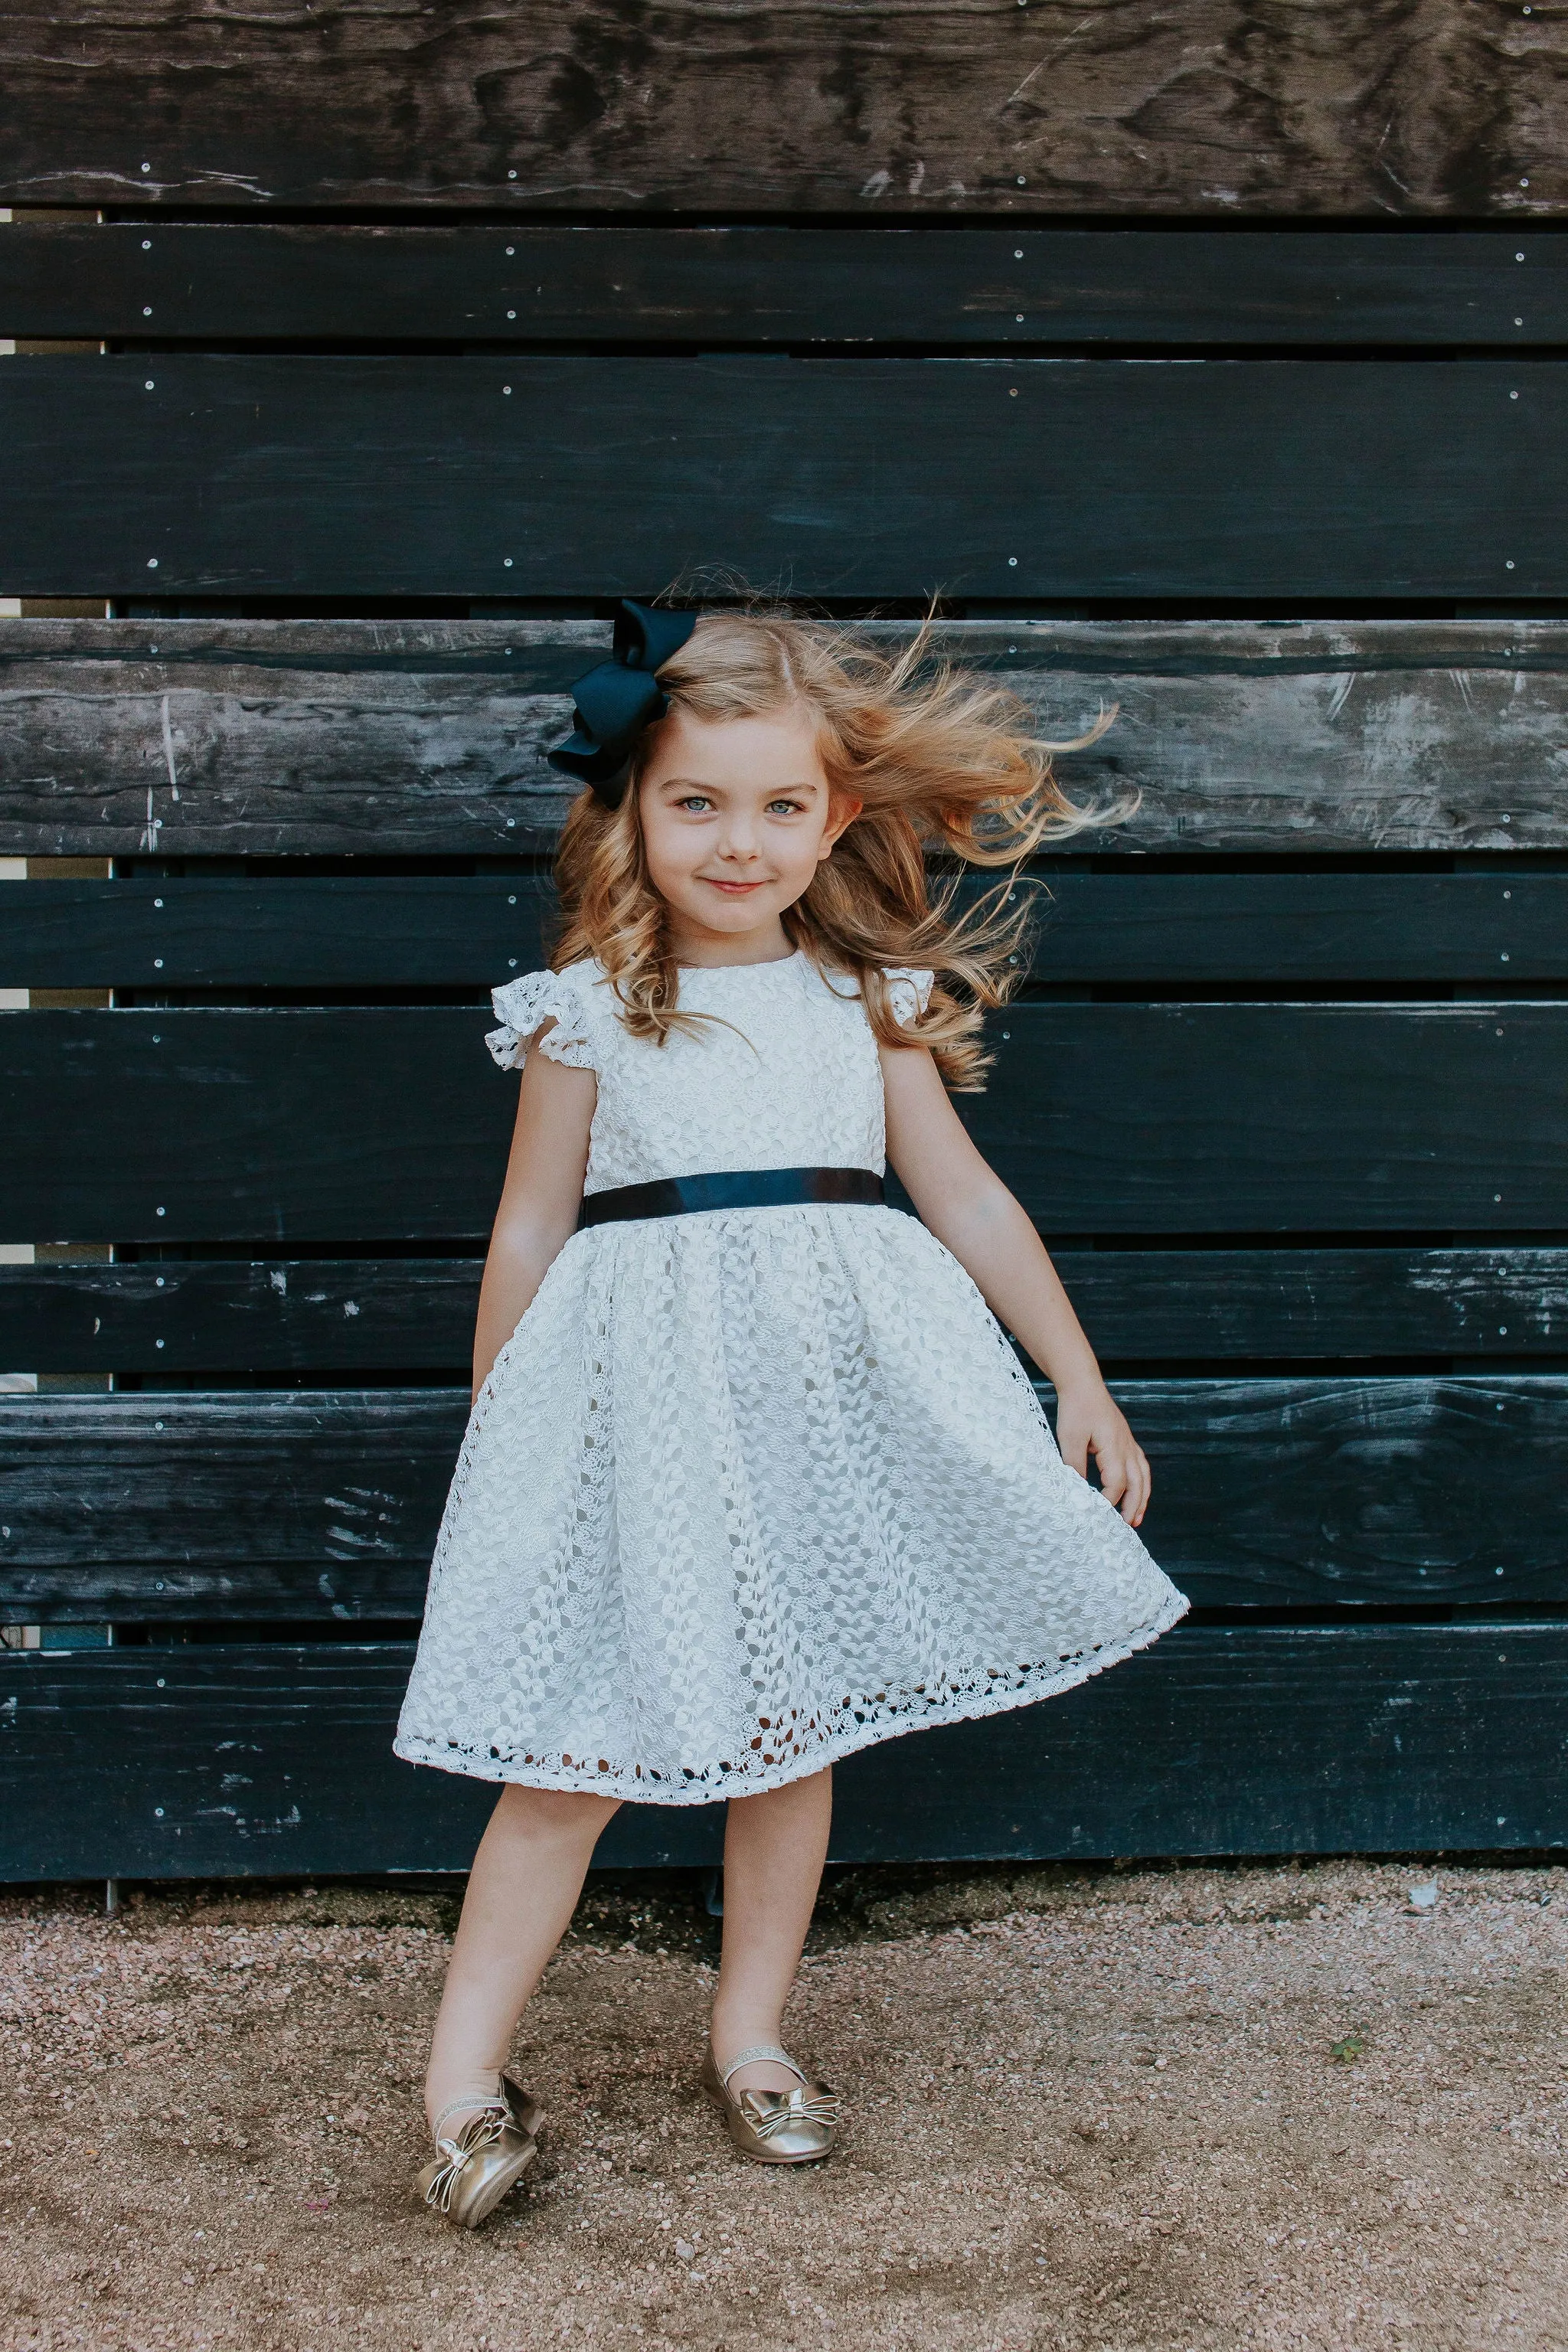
(774, 1847)
(522, 1890)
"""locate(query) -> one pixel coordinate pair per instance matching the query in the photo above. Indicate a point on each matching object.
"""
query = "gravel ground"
(1170, 2108)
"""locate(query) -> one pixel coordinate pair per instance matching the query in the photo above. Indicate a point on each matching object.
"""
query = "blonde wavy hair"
(941, 760)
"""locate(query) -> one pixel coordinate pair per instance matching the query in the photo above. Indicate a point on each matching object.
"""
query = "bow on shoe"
(485, 2130)
(794, 2107)
(616, 701)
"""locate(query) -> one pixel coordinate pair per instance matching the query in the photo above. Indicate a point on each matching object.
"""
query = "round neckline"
(773, 963)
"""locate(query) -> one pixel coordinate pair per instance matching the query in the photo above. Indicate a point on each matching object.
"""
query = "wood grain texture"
(337, 1125)
(403, 737)
(1430, 108)
(1298, 1493)
(1140, 927)
(1365, 479)
(191, 1762)
(309, 737)
(157, 282)
(416, 1314)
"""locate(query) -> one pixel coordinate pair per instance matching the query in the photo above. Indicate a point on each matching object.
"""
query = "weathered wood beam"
(1206, 106)
(385, 737)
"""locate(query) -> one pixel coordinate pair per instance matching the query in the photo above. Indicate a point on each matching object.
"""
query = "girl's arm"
(971, 1212)
(538, 1201)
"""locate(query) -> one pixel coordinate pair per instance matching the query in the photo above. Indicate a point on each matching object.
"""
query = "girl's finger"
(1112, 1476)
(1073, 1445)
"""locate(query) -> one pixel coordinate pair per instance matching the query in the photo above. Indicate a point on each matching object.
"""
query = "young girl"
(752, 1476)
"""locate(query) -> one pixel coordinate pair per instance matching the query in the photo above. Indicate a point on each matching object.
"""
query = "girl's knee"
(564, 1814)
(807, 1794)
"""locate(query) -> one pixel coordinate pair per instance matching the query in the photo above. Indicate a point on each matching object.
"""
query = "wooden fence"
(1206, 363)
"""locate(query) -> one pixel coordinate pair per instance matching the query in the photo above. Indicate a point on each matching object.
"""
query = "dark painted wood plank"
(172, 281)
(221, 1762)
(322, 1505)
(1232, 1119)
(303, 1315)
(1441, 1492)
(1140, 926)
(395, 931)
(169, 1126)
(863, 478)
(270, 1126)
(326, 1314)
(1374, 1739)
(1143, 1306)
(1348, 1491)
(1446, 109)
(194, 737)
(382, 737)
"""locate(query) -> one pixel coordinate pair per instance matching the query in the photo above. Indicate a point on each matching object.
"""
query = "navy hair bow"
(620, 697)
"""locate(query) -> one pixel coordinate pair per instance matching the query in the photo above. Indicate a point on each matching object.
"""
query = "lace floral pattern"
(748, 1490)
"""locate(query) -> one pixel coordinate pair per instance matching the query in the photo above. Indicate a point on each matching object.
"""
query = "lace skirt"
(747, 1491)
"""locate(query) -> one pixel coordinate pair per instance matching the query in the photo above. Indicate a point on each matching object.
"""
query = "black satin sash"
(745, 1188)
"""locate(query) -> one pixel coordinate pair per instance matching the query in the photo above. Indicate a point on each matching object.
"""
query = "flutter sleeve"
(538, 996)
(909, 994)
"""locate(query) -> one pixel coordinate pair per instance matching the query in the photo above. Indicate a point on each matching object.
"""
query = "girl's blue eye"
(784, 808)
(694, 800)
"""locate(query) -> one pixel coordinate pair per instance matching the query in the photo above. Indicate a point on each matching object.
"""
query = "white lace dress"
(749, 1489)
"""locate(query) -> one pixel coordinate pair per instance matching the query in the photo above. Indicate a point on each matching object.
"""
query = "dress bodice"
(783, 1074)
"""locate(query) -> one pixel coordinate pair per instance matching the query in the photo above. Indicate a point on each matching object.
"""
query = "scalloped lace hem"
(712, 1785)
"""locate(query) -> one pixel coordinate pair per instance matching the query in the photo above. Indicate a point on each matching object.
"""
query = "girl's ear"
(841, 815)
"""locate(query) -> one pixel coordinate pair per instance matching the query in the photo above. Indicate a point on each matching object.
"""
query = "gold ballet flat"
(798, 2127)
(468, 2176)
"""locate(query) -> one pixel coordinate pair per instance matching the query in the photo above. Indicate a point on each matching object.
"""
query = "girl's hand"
(1089, 1421)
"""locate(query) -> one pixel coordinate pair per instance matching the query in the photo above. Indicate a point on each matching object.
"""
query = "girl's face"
(736, 817)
